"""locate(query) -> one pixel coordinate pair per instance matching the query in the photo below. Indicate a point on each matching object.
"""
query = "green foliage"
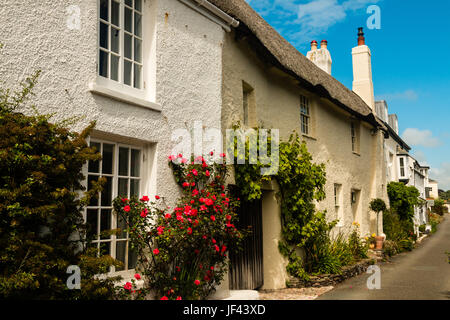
(390, 248)
(434, 219)
(183, 251)
(377, 205)
(438, 207)
(301, 184)
(42, 230)
(403, 199)
(398, 230)
(358, 247)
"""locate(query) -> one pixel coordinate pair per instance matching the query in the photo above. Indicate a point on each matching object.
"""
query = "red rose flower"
(197, 282)
(179, 298)
(207, 173)
(185, 184)
(144, 213)
(211, 153)
(127, 286)
(228, 217)
(137, 276)
(168, 216)
(213, 218)
(194, 172)
(189, 230)
(124, 200)
(164, 298)
(157, 197)
(127, 208)
(209, 202)
(155, 251)
(144, 198)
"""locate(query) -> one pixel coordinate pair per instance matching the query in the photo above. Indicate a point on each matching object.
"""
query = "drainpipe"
(212, 8)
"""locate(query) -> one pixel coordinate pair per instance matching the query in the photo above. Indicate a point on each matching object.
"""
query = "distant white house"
(401, 166)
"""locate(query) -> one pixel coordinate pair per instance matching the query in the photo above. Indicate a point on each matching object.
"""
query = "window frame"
(113, 240)
(121, 66)
(305, 117)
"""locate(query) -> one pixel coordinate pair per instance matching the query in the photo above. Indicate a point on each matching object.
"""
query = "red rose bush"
(183, 250)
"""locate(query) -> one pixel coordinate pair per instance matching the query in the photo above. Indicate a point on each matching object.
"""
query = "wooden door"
(246, 271)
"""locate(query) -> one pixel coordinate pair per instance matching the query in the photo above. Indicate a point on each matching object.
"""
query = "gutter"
(212, 12)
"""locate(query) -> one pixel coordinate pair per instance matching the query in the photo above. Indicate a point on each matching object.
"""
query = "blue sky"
(410, 60)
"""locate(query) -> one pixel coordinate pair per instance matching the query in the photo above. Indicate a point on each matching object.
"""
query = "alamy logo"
(74, 17)
(210, 139)
(374, 281)
(74, 280)
(374, 21)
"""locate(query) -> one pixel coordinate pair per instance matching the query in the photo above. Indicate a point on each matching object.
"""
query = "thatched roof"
(278, 51)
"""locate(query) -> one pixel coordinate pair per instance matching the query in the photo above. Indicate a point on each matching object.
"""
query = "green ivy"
(301, 184)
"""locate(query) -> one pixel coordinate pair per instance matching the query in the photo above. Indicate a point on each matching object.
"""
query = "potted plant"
(378, 205)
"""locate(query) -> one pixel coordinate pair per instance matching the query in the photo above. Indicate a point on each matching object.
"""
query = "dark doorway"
(246, 271)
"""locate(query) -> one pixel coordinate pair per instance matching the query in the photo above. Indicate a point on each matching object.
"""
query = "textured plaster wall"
(277, 106)
(183, 72)
(182, 52)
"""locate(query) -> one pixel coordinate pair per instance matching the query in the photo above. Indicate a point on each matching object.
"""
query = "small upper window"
(305, 115)
(120, 41)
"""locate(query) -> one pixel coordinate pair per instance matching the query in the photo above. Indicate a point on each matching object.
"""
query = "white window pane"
(127, 65)
(105, 222)
(132, 257)
(104, 9)
(134, 187)
(137, 76)
(103, 35)
(123, 161)
(115, 40)
(128, 43)
(115, 13)
(103, 63)
(92, 223)
(137, 50)
(137, 24)
(135, 162)
(128, 20)
(107, 193)
(120, 252)
(123, 187)
(115, 60)
(138, 5)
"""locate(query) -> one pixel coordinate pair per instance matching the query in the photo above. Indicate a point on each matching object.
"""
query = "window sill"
(105, 91)
(309, 137)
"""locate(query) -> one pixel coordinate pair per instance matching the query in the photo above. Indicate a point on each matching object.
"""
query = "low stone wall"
(325, 280)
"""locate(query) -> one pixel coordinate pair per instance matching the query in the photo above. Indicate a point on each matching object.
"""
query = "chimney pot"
(361, 39)
(313, 45)
(323, 44)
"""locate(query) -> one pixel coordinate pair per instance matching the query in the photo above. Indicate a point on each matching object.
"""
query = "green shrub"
(357, 246)
(422, 228)
(402, 199)
(42, 230)
(390, 248)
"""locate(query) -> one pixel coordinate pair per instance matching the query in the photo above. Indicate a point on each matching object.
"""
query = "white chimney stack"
(321, 57)
(362, 71)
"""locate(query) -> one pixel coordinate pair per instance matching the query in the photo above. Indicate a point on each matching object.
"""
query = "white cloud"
(421, 157)
(441, 175)
(416, 137)
(409, 95)
(310, 18)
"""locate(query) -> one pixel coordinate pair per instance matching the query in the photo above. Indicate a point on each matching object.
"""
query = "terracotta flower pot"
(379, 242)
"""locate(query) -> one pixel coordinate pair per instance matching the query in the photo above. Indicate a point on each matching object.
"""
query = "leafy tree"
(402, 199)
(42, 230)
(439, 207)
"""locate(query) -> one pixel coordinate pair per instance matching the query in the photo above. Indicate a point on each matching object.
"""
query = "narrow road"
(422, 274)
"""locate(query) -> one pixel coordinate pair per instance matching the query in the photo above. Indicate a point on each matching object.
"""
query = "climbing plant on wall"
(301, 184)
